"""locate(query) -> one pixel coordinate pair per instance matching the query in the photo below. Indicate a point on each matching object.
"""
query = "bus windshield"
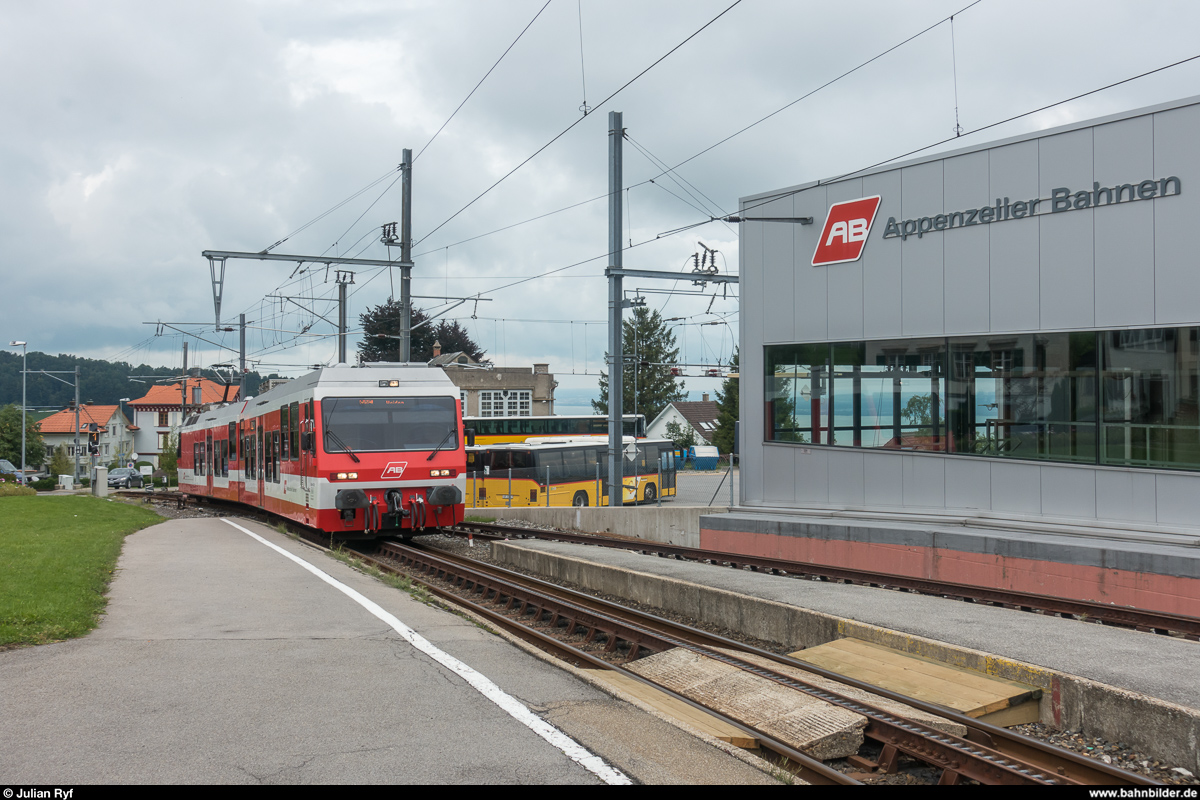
(375, 424)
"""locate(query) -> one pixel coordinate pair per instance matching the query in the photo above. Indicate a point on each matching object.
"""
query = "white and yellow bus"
(511, 430)
(572, 472)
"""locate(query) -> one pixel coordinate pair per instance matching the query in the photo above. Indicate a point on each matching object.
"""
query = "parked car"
(125, 478)
(10, 471)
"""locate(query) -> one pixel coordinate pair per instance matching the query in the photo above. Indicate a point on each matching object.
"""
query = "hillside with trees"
(100, 382)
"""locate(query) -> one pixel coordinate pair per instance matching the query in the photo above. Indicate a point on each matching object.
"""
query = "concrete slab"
(220, 661)
(820, 729)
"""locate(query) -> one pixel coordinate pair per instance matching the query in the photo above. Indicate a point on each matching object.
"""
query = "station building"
(983, 366)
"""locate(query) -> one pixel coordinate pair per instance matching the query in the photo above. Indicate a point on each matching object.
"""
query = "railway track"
(1149, 621)
(592, 632)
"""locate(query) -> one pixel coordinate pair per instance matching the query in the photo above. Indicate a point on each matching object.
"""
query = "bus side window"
(551, 462)
(575, 465)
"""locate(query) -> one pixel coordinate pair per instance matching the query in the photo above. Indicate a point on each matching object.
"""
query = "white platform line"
(481, 683)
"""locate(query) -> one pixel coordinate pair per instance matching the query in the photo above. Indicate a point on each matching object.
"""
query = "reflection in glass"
(1025, 396)
(1149, 385)
(1028, 396)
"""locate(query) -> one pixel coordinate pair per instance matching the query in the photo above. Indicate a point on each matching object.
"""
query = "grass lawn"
(57, 555)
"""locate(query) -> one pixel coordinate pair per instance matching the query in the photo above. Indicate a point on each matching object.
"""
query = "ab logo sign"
(395, 469)
(845, 231)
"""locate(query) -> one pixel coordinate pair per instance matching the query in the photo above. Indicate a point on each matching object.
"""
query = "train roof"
(413, 378)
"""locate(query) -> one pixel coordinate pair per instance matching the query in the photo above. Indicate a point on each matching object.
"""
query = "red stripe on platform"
(1168, 594)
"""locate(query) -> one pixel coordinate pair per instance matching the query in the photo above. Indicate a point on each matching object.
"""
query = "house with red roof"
(160, 412)
(112, 432)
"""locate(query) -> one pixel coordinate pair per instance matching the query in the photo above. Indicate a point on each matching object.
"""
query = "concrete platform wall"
(1144, 575)
(669, 525)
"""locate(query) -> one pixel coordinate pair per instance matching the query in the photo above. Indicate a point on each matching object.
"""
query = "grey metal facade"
(1122, 265)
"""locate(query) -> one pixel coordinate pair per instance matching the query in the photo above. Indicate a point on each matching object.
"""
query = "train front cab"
(390, 465)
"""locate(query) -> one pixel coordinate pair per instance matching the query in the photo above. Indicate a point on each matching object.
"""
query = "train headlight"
(441, 473)
(344, 476)
(389, 384)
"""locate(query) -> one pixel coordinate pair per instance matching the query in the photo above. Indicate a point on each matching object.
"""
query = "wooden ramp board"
(861, 695)
(672, 707)
(995, 700)
(804, 722)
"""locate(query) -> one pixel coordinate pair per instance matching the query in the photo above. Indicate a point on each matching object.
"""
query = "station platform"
(1118, 684)
(224, 659)
(1155, 569)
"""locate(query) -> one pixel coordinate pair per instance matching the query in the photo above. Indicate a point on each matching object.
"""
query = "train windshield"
(373, 424)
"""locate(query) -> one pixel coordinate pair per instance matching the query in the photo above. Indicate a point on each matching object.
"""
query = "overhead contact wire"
(581, 119)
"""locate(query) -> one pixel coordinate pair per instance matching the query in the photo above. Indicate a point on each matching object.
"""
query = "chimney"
(706, 397)
(437, 349)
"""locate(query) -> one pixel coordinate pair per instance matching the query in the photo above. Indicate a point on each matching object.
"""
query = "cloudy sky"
(138, 134)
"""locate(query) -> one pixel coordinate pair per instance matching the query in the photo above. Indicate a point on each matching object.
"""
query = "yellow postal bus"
(503, 430)
(567, 473)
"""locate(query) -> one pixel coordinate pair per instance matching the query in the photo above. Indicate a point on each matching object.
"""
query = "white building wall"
(1132, 265)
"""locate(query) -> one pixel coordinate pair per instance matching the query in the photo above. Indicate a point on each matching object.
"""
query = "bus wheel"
(650, 493)
(580, 499)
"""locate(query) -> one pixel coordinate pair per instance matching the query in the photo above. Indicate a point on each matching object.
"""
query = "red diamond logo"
(845, 233)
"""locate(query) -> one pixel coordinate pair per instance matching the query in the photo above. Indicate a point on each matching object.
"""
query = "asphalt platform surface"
(220, 661)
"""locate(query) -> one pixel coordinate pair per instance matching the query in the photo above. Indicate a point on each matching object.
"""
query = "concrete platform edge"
(1069, 702)
(677, 525)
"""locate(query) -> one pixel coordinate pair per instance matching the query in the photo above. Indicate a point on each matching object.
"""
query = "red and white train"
(356, 451)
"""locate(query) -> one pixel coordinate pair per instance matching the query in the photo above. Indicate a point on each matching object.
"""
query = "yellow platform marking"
(963, 690)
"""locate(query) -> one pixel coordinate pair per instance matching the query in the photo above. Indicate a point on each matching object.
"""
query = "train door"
(305, 460)
(208, 460)
(306, 439)
(262, 465)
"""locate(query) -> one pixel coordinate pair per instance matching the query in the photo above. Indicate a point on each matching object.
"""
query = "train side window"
(312, 416)
(285, 424)
(294, 434)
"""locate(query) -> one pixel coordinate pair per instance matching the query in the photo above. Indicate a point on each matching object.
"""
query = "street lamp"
(22, 345)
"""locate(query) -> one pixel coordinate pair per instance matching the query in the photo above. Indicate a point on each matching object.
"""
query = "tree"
(651, 344)
(727, 409)
(60, 463)
(168, 458)
(385, 319)
(10, 438)
(682, 436)
(917, 410)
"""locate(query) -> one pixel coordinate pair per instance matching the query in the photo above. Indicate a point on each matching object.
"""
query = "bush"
(14, 489)
(45, 484)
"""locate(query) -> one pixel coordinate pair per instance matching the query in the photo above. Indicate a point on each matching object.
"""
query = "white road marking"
(481, 683)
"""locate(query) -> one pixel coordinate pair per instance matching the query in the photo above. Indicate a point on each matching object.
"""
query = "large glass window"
(1031, 396)
(889, 394)
(1126, 397)
(1149, 387)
